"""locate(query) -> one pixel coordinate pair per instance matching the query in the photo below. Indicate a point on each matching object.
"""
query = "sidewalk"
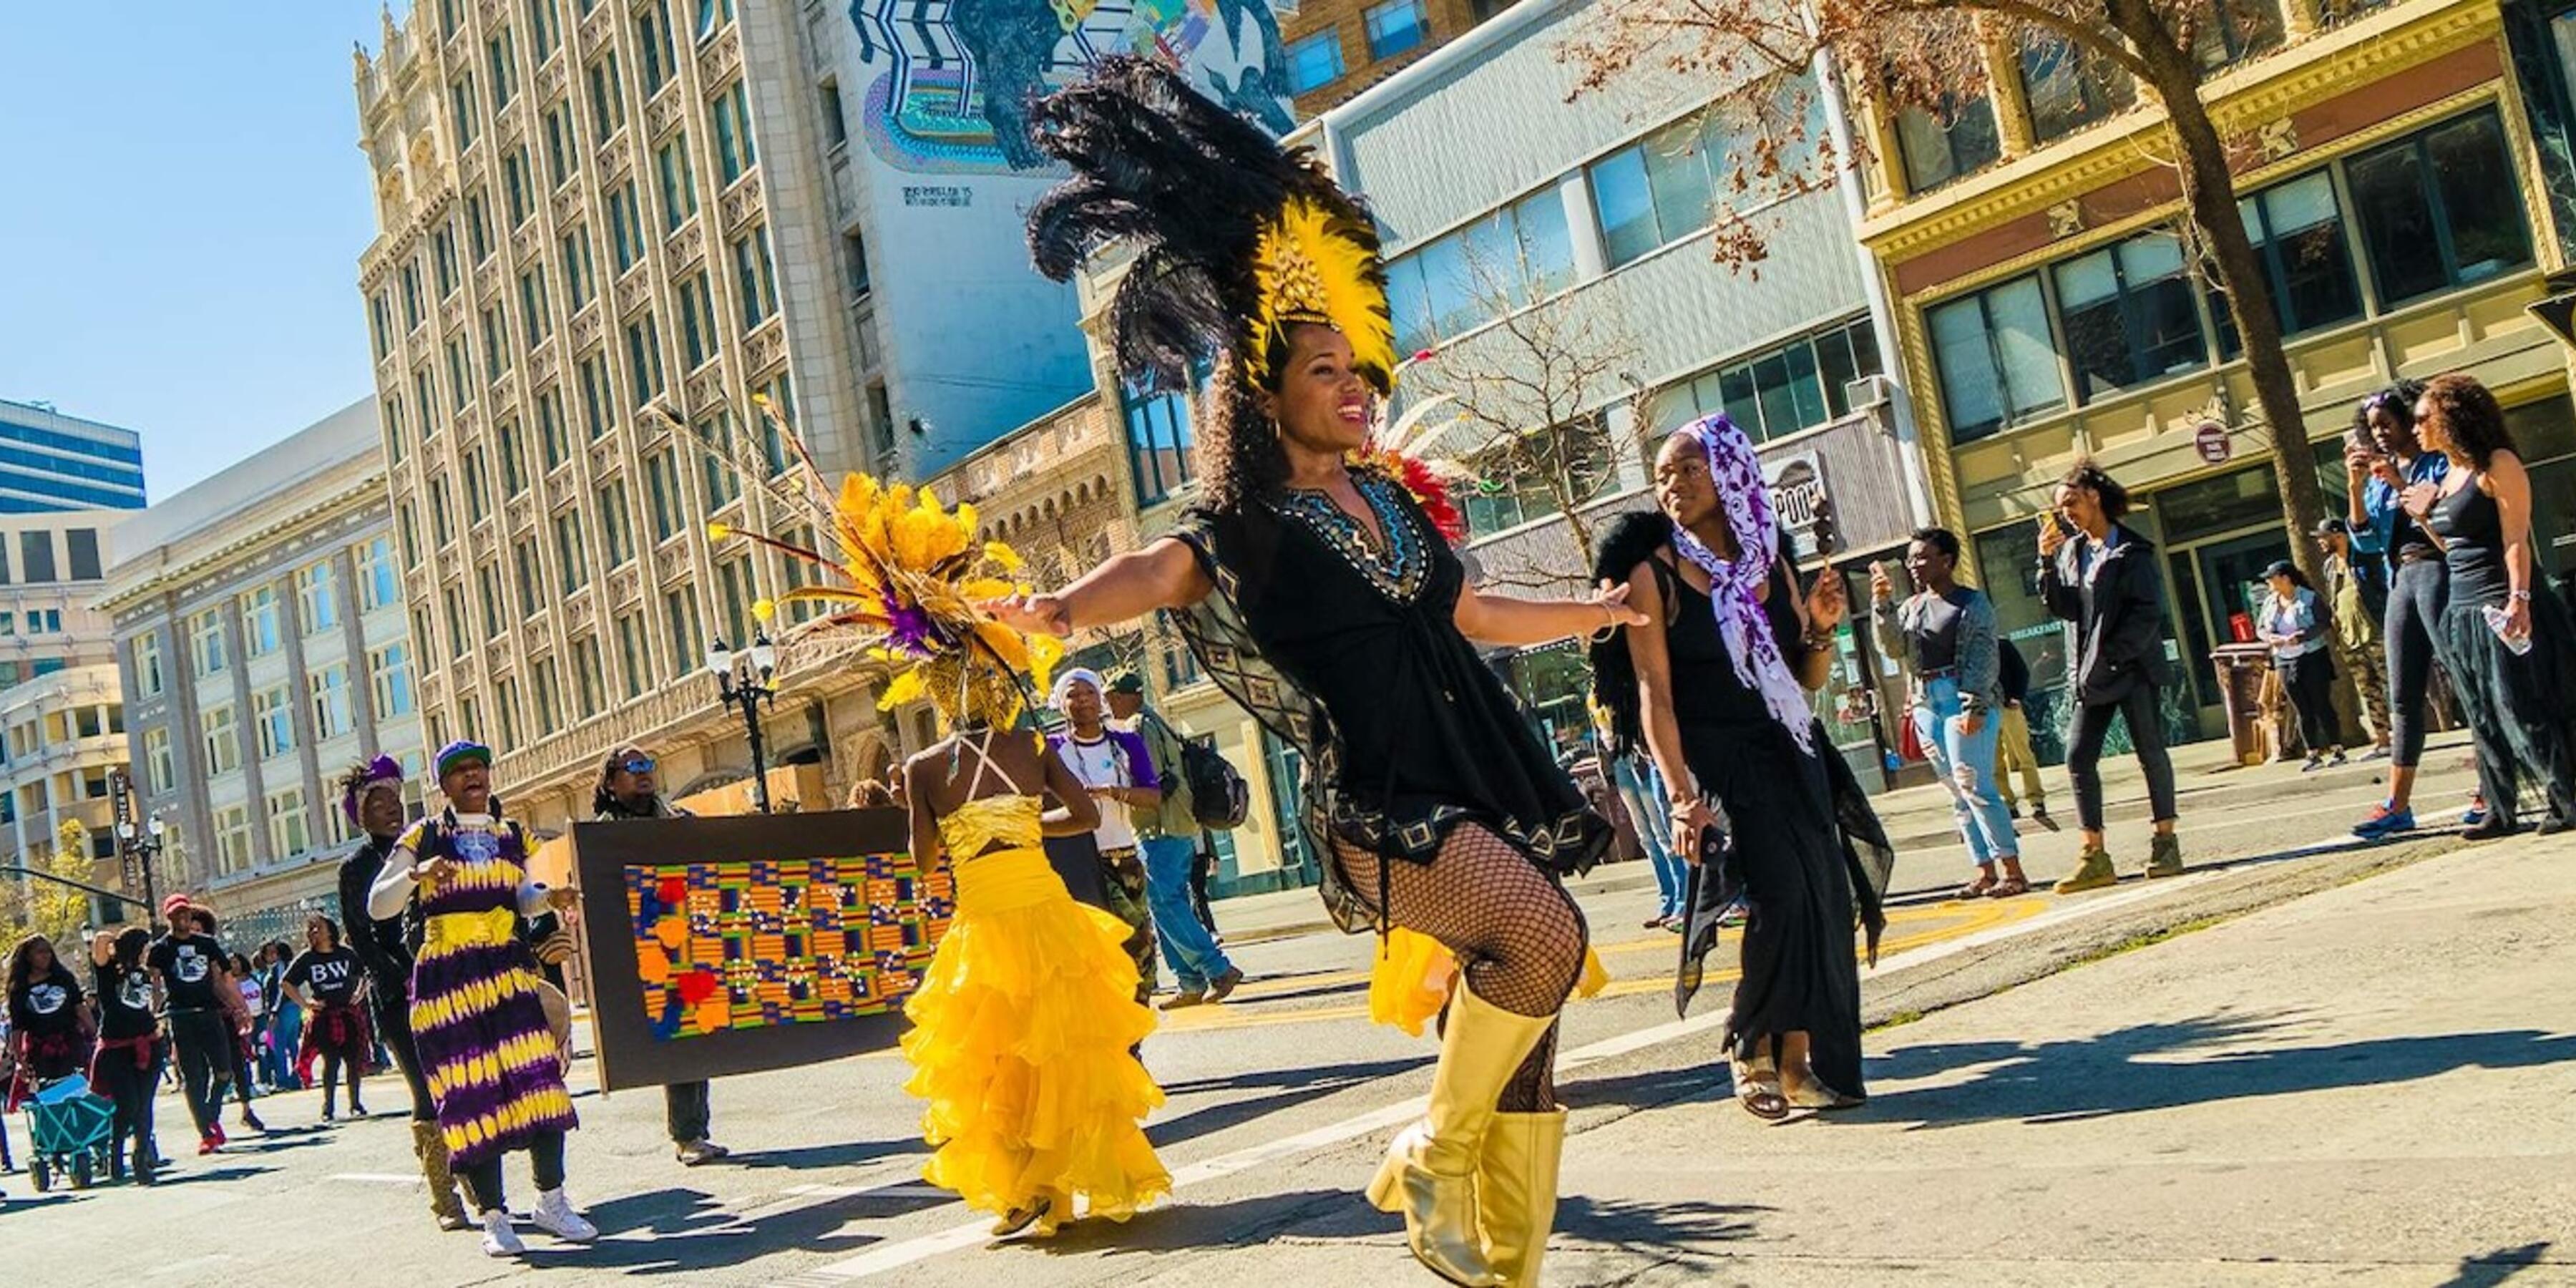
(2213, 796)
(2367, 1085)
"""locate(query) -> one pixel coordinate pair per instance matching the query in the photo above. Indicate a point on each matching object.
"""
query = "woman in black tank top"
(2510, 652)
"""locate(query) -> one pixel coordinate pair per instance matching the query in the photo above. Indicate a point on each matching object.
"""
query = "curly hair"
(2092, 478)
(1191, 186)
(21, 975)
(2398, 400)
(2471, 421)
(1941, 539)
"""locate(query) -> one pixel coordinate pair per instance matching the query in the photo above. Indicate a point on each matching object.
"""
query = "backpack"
(1219, 800)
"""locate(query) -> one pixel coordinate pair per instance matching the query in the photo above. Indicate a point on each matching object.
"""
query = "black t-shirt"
(189, 968)
(124, 1001)
(331, 976)
(48, 1006)
(2014, 672)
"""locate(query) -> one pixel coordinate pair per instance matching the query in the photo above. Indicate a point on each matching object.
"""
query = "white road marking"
(894, 1256)
(377, 1178)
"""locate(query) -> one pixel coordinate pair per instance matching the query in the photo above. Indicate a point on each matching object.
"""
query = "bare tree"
(1528, 399)
(1931, 55)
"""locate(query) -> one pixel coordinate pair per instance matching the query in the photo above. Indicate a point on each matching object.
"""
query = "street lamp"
(142, 847)
(743, 681)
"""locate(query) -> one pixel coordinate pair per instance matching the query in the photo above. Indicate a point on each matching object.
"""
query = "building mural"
(950, 81)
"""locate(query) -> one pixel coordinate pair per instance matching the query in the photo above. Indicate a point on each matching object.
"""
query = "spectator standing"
(2382, 465)
(629, 791)
(1945, 632)
(2295, 625)
(2357, 601)
(1641, 790)
(2013, 751)
(1115, 765)
(1167, 837)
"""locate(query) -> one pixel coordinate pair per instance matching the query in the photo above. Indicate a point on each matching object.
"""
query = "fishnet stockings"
(1518, 935)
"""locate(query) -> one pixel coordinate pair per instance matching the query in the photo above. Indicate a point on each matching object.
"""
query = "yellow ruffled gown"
(1021, 1035)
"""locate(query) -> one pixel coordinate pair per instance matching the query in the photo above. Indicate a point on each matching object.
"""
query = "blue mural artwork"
(954, 78)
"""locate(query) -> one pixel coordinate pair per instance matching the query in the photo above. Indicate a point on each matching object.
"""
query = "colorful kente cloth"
(492, 1062)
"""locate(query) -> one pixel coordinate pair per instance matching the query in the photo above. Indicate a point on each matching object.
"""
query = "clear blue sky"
(187, 202)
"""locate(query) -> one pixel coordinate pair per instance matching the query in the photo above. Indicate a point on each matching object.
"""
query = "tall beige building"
(587, 207)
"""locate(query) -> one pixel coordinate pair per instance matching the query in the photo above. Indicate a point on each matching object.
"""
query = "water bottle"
(2519, 642)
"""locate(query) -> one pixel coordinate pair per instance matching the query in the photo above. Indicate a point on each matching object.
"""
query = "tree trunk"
(2209, 194)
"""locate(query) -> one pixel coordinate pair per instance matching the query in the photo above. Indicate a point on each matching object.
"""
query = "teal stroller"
(69, 1132)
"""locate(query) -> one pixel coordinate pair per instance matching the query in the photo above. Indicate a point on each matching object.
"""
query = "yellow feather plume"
(1316, 266)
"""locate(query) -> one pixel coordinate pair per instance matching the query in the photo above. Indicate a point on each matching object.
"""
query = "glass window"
(328, 689)
(698, 345)
(442, 259)
(616, 525)
(146, 656)
(460, 376)
(1782, 391)
(634, 656)
(625, 227)
(206, 646)
(1315, 61)
(679, 183)
(854, 246)
(379, 586)
(80, 546)
(389, 669)
(289, 832)
(713, 14)
(2434, 212)
(585, 674)
(1997, 360)
(755, 278)
(644, 358)
(160, 767)
(544, 30)
(519, 186)
(2297, 231)
(723, 482)
(531, 576)
(478, 227)
(680, 613)
(411, 296)
(662, 480)
(460, 110)
(550, 424)
(536, 306)
(579, 283)
(572, 558)
(735, 152)
(653, 45)
(1398, 26)
(836, 125)
(317, 597)
(261, 634)
(562, 156)
(501, 59)
(1953, 139)
(496, 343)
(2231, 33)
(496, 610)
(2128, 315)
(1160, 447)
(221, 739)
(274, 715)
(2069, 89)
(607, 98)
(598, 410)
(36, 557)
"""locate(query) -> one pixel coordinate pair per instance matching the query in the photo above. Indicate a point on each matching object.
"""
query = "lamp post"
(138, 849)
(742, 680)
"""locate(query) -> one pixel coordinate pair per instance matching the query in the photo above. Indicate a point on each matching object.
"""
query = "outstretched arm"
(1165, 574)
(1502, 619)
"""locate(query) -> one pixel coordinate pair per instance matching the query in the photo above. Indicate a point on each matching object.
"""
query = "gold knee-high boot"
(1430, 1169)
(1516, 1191)
(430, 1146)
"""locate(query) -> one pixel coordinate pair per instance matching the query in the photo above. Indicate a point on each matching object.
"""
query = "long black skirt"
(1802, 925)
(2520, 708)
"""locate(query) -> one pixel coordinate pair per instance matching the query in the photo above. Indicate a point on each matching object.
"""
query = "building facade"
(50, 461)
(1557, 274)
(260, 624)
(1336, 48)
(62, 718)
(2049, 308)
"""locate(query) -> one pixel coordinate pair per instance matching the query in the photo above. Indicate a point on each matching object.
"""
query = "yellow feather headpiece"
(915, 574)
(1316, 264)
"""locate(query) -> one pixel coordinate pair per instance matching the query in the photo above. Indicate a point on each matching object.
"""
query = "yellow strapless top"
(977, 824)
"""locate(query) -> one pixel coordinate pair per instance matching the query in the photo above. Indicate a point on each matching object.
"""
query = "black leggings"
(545, 1159)
(2416, 597)
(130, 1089)
(2146, 732)
(393, 1028)
(2309, 681)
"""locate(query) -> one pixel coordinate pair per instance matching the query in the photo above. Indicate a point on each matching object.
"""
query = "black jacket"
(2118, 614)
(383, 947)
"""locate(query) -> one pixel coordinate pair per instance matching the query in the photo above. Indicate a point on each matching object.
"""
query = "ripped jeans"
(1966, 764)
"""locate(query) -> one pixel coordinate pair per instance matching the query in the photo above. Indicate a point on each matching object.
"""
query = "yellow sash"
(449, 931)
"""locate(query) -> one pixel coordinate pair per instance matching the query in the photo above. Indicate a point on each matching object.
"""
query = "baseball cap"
(1127, 682)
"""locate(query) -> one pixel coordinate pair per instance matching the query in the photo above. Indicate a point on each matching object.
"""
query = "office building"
(62, 717)
(50, 461)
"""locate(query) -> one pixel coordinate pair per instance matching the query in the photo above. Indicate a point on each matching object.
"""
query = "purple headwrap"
(1735, 588)
(383, 771)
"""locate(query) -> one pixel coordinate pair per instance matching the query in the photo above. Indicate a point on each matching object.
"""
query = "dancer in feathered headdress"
(1323, 597)
(1025, 1025)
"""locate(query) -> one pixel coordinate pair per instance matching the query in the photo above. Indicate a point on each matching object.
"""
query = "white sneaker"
(499, 1240)
(555, 1216)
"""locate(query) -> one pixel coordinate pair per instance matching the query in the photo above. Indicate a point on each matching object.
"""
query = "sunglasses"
(637, 765)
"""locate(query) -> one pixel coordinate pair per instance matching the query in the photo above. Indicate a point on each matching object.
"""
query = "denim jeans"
(1641, 789)
(1187, 945)
(1966, 764)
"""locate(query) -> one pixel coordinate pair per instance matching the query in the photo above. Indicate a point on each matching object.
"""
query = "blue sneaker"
(2475, 815)
(2384, 823)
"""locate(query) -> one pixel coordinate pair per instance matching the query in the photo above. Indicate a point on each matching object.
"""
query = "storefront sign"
(1798, 496)
(2211, 441)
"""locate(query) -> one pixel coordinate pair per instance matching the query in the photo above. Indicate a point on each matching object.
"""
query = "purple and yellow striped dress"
(491, 1060)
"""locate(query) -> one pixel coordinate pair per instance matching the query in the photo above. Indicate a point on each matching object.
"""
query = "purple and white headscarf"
(1735, 588)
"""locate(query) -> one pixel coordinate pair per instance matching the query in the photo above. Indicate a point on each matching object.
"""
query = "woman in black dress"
(1321, 597)
(1714, 683)
(2506, 643)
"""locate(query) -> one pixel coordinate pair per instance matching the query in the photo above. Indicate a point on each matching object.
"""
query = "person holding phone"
(1945, 632)
(2098, 573)
(1714, 685)
(2510, 652)
(2381, 466)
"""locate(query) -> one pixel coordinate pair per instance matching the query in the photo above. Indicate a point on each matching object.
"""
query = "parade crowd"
(1320, 590)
